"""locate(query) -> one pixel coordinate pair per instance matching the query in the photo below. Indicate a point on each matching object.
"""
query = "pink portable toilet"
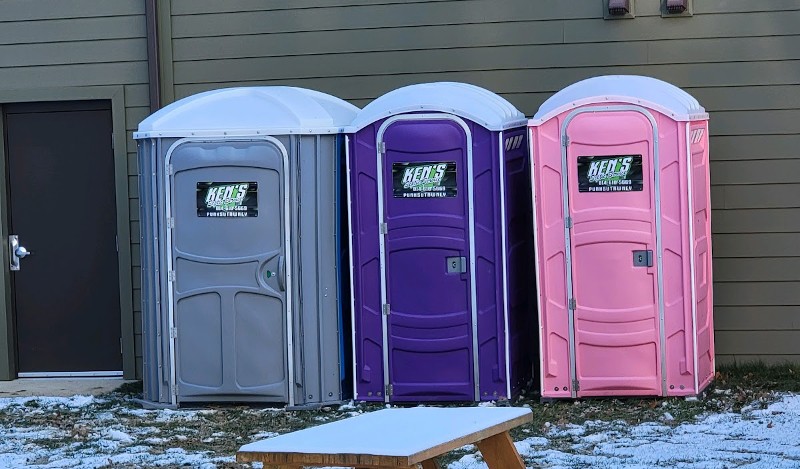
(623, 240)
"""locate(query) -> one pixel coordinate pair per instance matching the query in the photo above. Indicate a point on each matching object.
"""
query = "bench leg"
(499, 452)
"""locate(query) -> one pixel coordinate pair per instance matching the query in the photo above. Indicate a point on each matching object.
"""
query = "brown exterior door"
(61, 197)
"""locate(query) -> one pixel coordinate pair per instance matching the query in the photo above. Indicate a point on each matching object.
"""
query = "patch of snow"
(765, 439)
(569, 430)
(468, 461)
(73, 402)
(347, 406)
(168, 415)
(104, 416)
(117, 435)
(258, 436)
(145, 431)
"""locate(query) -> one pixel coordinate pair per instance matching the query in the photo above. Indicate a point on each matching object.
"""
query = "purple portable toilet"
(441, 246)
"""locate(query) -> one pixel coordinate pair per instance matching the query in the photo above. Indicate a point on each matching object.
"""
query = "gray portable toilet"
(240, 246)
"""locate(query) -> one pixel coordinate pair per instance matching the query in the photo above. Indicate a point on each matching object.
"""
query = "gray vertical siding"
(64, 44)
(740, 58)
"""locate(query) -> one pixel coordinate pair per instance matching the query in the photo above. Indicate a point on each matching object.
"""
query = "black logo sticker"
(425, 179)
(620, 173)
(227, 199)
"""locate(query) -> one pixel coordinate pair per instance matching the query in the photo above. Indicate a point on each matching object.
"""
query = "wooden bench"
(396, 438)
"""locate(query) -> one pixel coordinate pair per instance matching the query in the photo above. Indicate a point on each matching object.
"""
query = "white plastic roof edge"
(471, 102)
(259, 132)
(247, 111)
(661, 97)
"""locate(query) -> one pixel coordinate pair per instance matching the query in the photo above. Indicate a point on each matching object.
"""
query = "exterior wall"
(82, 49)
(738, 58)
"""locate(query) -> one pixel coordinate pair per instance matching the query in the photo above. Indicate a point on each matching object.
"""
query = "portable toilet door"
(430, 280)
(622, 214)
(229, 342)
(237, 307)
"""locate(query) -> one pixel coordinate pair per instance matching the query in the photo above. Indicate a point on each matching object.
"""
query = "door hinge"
(112, 140)
(576, 385)
(382, 148)
(389, 389)
(573, 304)
(171, 276)
(170, 223)
(568, 223)
(384, 228)
(386, 309)
(120, 345)
(173, 332)
(565, 140)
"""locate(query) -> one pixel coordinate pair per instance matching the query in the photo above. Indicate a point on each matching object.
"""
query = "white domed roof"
(249, 110)
(650, 92)
(464, 100)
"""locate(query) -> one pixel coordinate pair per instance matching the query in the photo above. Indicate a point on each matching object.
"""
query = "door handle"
(643, 258)
(456, 265)
(22, 253)
(16, 252)
(282, 273)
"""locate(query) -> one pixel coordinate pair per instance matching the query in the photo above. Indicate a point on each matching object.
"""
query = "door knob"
(16, 252)
(21, 252)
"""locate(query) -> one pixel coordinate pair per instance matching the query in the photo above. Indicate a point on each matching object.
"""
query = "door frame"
(568, 237)
(380, 154)
(115, 94)
(287, 239)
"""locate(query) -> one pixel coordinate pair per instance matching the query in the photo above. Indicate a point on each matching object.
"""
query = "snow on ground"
(768, 438)
(756, 438)
(96, 442)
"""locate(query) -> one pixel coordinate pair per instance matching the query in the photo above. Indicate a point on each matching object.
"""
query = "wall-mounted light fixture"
(616, 9)
(619, 7)
(676, 6)
(672, 8)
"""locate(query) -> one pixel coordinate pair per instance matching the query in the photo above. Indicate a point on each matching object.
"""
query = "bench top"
(405, 435)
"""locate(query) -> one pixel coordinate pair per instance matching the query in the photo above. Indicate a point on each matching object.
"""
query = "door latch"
(643, 258)
(16, 252)
(456, 265)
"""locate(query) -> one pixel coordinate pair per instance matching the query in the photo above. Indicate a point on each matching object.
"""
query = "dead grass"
(222, 429)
